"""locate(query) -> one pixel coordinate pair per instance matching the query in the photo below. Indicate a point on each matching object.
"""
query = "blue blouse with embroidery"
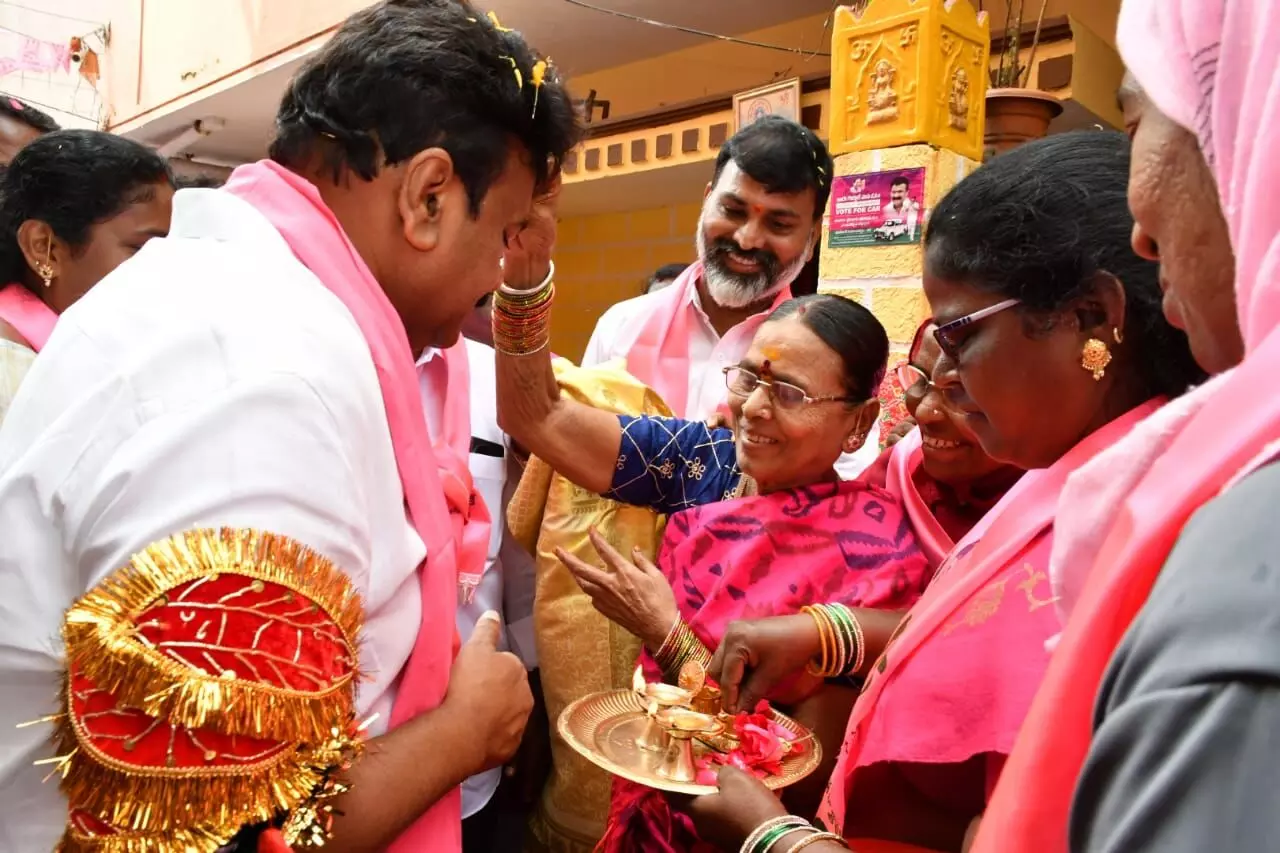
(670, 464)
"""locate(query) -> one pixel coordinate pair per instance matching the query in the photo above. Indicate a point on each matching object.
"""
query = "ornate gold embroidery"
(164, 746)
(983, 606)
(1028, 586)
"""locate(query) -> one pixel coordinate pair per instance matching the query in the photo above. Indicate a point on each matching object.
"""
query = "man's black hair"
(27, 114)
(405, 75)
(783, 156)
(900, 181)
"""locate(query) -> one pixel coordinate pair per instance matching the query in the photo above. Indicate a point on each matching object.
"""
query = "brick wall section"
(606, 258)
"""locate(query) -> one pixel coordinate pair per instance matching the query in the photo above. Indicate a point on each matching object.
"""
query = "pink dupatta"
(762, 556)
(1213, 66)
(442, 503)
(660, 355)
(24, 311)
(966, 661)
(904, 461)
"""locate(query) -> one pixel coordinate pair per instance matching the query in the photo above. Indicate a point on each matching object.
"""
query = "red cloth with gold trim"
(210, 686)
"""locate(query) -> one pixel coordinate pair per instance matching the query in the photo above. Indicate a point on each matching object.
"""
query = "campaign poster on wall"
(877, 208)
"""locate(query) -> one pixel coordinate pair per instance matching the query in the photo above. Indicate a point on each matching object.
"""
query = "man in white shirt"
(244, 375)
(761, 222)
(902, 209)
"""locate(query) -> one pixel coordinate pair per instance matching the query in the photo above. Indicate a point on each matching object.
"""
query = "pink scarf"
(1214, 67)
(904, 461)
(660, 355)
(959, 676)
(766, 556)
(436, 482)
(24, 311)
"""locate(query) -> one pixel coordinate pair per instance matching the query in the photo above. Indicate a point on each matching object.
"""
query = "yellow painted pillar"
(908, 87)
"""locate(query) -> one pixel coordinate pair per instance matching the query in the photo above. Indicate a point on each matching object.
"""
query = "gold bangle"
(815, 838)
(748, 846)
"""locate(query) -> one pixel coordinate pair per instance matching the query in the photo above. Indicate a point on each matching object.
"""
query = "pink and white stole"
(660, 355)
(904, 461)
(1006, 554)
(442, 502)
(24, 311)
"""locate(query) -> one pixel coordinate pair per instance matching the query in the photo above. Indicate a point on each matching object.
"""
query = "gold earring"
(1115, 333)
(45, 271)
(1095, 357)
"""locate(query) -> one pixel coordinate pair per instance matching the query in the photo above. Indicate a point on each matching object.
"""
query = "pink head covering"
(1230, 98)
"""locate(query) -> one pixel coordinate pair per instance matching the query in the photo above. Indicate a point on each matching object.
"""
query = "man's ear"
(425, 196)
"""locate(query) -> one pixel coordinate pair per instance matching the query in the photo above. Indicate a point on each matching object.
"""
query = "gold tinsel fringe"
(217, 801)
(99, 634)
(180, 841)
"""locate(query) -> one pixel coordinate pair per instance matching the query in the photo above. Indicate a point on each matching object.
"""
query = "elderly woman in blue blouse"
(760, 523)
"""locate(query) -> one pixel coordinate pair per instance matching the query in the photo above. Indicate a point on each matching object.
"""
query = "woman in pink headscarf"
(1155, 726)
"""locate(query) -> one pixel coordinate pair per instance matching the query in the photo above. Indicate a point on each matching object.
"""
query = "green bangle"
(845, 619)
(755, 841)
(771, 837)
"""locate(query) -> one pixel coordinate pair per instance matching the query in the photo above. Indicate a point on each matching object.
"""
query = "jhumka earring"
(1095, 357)
(45, 271)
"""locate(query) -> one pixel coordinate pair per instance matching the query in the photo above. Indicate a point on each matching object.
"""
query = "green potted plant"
(1015, 113)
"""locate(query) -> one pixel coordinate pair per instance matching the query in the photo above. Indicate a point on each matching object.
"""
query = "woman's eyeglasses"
(948, 334)
(742, 383)
(909, 376)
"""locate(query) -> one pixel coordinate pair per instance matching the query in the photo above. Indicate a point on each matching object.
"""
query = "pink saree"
(769, 556)
(958, 678)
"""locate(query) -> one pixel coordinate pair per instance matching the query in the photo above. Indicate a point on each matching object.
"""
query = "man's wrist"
(458, 727)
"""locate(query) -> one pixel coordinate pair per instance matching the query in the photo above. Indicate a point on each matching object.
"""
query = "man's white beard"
(729, 290)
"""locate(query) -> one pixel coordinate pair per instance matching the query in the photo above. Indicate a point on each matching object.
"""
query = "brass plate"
(604, 727)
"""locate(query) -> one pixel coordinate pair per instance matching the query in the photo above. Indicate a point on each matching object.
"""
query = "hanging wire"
(694, 32)
(33, 102)
(51, 14)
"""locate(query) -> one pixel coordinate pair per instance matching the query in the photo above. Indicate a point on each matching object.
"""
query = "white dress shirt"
(617, 331)
(508, 582)
(209, 381)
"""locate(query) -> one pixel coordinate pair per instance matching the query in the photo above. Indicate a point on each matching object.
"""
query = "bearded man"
(761, 222)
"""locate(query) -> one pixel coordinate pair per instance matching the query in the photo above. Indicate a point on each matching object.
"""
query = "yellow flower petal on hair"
(539, 72)
(493, 19)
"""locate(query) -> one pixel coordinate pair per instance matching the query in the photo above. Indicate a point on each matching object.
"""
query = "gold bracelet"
(522, 318)
(814, 839)
(763, 829)
(680, 646)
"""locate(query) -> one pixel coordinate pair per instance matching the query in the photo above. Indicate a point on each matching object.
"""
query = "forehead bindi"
(737, 187)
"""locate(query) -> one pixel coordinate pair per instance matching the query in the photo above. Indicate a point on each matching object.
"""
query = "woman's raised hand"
(755, 656)
(635, 594)
(528, 256)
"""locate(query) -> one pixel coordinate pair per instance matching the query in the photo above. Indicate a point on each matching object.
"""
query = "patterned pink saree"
(763, 556)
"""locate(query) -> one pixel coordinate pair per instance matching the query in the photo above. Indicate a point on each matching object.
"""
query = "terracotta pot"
(1015, 116)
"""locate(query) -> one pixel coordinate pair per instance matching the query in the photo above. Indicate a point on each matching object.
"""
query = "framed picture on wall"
(780, 99)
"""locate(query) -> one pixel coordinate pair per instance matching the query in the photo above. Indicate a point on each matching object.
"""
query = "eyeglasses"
(742, 383)
(909, 376)
(948, 334)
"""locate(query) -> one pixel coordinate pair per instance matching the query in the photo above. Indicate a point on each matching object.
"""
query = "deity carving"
(882, 102)
(958, 102)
